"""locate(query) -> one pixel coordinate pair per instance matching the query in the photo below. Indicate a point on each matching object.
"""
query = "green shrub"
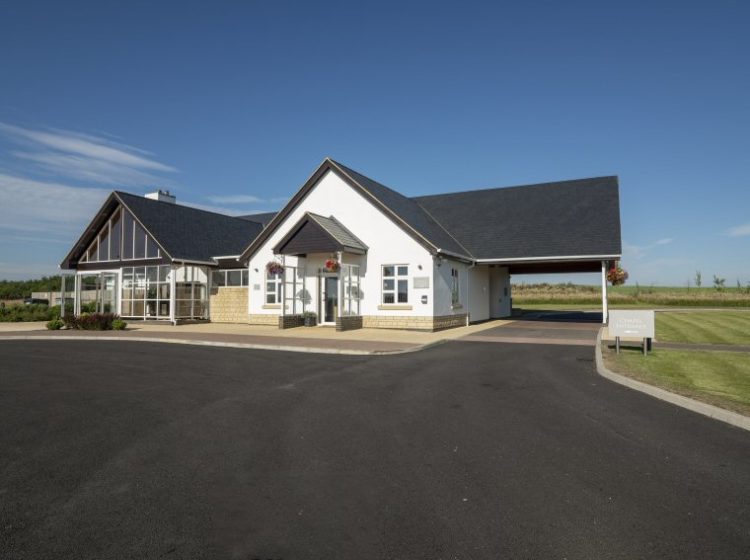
(91, 321)
(119, 325)
(19, 313)
(55, 324)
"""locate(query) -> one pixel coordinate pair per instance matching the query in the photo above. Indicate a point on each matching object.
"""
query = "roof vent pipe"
(162, 196)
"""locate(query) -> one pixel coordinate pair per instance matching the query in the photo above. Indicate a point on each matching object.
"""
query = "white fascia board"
(462, 258)
(550, 259)
(186, 261)
(226, 257)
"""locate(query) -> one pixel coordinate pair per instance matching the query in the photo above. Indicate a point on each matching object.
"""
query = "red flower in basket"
(332, 265)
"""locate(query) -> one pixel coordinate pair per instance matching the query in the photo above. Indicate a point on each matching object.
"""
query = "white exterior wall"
(387, 242)
(479, 293)
(500, 292)
(442, 291)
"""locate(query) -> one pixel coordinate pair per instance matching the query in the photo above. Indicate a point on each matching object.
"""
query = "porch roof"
(317, 234)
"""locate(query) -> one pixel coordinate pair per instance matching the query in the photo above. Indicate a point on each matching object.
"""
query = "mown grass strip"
(720, 327)
(718, 378)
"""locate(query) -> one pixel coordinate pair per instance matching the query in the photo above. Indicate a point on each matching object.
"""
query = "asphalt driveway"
(465, 450)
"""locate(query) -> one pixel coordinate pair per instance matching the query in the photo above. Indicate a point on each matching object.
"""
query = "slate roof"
(578, 218)
(410, 212)
(189, 233)
(338, 232)
(262, 218)
(560, 219)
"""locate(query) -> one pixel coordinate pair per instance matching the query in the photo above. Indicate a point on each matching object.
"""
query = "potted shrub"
(311, 319)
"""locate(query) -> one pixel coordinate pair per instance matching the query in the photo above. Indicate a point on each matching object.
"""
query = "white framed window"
(395, 284)
(273, 288)
(455, 287)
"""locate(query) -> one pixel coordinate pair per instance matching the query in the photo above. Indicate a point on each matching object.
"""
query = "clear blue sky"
(232, 105)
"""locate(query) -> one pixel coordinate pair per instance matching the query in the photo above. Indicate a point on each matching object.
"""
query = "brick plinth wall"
(229, 305)
(414, 323)
(349, 323)
(291, 321)
(448, 322)
(262, 319)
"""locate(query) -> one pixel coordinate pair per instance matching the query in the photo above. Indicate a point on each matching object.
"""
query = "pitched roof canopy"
(562, 219)
(318, 234)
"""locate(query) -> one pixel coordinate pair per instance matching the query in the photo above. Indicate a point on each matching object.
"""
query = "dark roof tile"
(191, 234)
(566, 218)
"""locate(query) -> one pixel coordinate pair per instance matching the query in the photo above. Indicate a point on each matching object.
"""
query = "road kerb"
(242, 345)
(733, 418)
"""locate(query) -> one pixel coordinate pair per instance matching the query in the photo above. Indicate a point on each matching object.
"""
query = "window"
(455, 287)
(121, 238)
(273, 288)
(395, 283)
(145, 292)
(235, 277)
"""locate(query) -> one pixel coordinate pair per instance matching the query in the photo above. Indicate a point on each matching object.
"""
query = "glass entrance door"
(107, 300)
(330, 299)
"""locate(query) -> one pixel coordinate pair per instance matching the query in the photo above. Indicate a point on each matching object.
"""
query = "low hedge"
(94, 322)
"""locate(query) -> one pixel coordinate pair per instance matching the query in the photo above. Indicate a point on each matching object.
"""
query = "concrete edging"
(242, 345)
(735, 419)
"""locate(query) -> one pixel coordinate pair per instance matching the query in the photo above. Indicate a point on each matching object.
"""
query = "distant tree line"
(18, 289)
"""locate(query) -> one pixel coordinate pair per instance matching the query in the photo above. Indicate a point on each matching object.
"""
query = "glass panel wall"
(146, 292)
(352, 293)
(97, 292)
(191, 292)
(296, 297)
(121, 238)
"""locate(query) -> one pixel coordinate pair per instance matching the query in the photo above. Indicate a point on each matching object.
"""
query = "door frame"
(322, 297)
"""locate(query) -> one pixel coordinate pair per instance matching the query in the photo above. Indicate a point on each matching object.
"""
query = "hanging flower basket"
(617, 275)
(274, 267)
(332, 265)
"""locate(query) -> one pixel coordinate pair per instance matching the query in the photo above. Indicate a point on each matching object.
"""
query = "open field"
(568, 296)
(718, 378)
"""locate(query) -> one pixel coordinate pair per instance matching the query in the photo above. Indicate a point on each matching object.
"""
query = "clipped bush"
(55, 324)
(119, 325)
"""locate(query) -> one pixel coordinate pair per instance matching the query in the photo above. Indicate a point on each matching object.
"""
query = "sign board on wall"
(421, 282)
(631, 324)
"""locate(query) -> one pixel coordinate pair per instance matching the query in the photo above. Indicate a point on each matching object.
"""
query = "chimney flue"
(162, 196)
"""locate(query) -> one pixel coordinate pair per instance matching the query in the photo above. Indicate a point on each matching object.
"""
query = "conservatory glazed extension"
(346, 248)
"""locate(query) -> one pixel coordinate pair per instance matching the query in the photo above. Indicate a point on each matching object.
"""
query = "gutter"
(549, 259)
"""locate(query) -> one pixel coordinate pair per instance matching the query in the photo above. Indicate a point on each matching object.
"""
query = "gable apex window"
(121, 238)
(395, 284)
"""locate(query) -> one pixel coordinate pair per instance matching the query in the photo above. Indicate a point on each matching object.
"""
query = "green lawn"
(710, 327)
(718, 378)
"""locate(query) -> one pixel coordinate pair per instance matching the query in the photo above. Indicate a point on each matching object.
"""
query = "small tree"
(719, 282)
(698, 279)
